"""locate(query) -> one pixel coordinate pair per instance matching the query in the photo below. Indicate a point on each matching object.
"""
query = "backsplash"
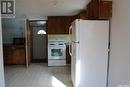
(64, 37)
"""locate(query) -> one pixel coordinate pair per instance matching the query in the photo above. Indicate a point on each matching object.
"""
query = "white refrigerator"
(89, 51)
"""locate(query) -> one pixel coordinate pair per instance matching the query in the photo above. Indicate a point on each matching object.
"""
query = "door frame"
(28, 40)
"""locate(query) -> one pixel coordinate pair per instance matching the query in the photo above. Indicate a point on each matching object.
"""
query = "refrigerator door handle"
(75, 42)
(70, 29)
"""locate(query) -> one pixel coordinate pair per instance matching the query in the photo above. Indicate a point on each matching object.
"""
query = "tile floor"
(37, 75)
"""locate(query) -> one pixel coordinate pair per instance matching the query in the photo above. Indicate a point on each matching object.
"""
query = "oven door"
(56, 53)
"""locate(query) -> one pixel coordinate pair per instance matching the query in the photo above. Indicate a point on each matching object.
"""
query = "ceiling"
(40, 8)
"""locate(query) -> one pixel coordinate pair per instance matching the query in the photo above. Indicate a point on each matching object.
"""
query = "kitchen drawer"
(56, 62)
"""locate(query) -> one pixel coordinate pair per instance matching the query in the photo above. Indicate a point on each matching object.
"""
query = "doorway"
(38, 30)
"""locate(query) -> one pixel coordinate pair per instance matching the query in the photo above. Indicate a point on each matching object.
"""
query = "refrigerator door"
(92, 53)
(75, 50)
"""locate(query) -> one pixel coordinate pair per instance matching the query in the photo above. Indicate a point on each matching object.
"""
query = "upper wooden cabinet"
(59, 24)
(99, 9)
(82, 15)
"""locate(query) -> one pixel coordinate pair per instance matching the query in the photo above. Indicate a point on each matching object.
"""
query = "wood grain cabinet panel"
(59, 24)
(68, 57)
(8, 52)
(105, 9)
(14, 55)
(99, 9)
(82, 15)
(19, 56)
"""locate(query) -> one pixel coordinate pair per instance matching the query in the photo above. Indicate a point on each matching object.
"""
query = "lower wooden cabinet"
(68, 57)
(19, 55)
(14, 55)
(8, 52)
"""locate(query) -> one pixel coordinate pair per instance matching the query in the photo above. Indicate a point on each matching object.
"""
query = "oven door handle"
(70, 30)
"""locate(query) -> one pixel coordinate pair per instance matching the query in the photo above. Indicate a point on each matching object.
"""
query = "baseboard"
(39, 60)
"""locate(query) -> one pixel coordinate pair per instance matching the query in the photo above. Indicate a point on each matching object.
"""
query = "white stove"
(56, 53)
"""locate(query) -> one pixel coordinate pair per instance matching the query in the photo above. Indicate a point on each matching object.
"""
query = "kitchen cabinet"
(82, 15)
(59, 24)
(19, 55)
(14, 54)
(7, 54)
(98, 9)
(68, 57)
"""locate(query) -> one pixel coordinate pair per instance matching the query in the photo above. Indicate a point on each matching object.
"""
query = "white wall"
(12, 28)
(1, 58)
(40, 8)
(120, 44)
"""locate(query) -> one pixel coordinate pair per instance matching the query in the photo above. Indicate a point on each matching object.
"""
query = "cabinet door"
(67, 22)
(83, 15)
(92, 10)
(105, 9)
(99, 10)
(52, 25)
(68, 57)
(56, 25)
(8, 55)
(59, 24)
(19, 56)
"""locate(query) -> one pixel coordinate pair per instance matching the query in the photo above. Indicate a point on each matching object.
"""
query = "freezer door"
(75, 31)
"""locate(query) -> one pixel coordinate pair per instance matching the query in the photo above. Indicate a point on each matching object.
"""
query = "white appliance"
(89, 53)
(56, 53)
